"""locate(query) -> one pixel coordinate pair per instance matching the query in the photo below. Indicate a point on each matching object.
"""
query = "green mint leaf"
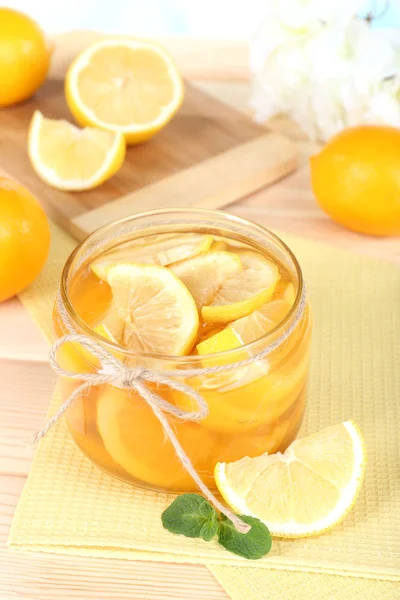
(191, 515)
(253, 545)
(209, 530)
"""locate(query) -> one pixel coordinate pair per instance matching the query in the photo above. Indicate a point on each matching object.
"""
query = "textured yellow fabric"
(242, 583)
(68, 505)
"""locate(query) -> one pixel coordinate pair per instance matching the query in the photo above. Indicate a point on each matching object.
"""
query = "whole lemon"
(24, 57)
(24, 238)
(356, 179)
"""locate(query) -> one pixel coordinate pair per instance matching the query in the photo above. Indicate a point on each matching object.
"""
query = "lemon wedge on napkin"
(304, 491)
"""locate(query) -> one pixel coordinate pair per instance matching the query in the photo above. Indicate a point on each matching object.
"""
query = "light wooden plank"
(212, 183)
(314, 224)
(20, 337)
(25, 393)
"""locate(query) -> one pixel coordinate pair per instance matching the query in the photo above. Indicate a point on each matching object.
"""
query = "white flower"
(297, 21)
(354, 50)
(326, 76)
(284, 75)
(299, 14)
(278, 59)
(325, 109)
(384, 106)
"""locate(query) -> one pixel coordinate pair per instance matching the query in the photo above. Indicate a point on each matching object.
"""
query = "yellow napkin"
(68, 505)
(242, 583)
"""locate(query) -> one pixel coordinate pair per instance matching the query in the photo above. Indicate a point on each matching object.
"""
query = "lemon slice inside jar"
(261, 321)
(242, 293)
(162, 250)
(134, 438)
(151, 312)
(204, 274)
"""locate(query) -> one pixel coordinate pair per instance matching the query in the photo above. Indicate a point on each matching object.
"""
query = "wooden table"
(221, 68)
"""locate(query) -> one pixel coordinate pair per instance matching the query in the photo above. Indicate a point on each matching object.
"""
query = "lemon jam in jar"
(184, 289)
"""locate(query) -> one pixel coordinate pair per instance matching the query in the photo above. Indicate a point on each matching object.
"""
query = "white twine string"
(134, 378)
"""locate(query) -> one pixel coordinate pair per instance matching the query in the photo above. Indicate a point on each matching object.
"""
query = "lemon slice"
(69, 158)
(143, 450)
(219, 342)
(204, 274)
(244, 292)
(103, 330)
(228, 339)
(125, 85)
(161, 252)
(151, 311)
(290, 293)
(305, 491)
(261, 321)
(207, 330)
(219, 245)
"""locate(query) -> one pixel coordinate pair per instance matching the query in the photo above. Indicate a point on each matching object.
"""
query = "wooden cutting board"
(209, 155)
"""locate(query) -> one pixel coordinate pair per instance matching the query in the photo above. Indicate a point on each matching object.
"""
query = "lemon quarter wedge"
(305, 491)
(69, 158)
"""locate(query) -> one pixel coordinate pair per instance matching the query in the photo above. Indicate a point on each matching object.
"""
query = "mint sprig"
(192, 516)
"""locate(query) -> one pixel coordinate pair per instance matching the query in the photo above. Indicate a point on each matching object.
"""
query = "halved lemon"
(305, 491)
(205, 273)
(127, 85)
(151, 311)
(244, 292)
(163, 251)
(69, 158)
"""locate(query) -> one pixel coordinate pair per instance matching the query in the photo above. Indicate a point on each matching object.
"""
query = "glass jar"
(253, 409)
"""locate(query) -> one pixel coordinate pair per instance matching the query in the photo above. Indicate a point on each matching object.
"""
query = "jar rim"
(99, 233)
